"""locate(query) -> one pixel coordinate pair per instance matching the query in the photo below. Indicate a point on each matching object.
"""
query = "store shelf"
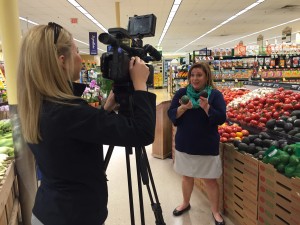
(289, 86)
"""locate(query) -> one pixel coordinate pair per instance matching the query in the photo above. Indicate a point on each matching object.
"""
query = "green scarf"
(194, 96)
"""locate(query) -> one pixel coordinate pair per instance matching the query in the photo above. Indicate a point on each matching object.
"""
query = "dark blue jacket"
(197, 133)
(73, 190)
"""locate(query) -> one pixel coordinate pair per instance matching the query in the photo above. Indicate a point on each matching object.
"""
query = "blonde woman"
(65, 133)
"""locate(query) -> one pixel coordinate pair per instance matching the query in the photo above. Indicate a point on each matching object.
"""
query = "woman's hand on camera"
(110, 103)
(139, 73)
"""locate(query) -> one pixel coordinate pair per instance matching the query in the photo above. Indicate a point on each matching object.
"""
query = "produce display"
(6, 146)
(257, 93)
(229, 133)
(258, 110)
(289, 125)
(286, 160)
(233, 93)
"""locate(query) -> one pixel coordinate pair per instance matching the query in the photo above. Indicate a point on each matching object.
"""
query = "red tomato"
(245, 132)
(225, 135)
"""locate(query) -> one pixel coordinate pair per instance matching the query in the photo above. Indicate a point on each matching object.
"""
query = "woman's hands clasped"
(204, 104)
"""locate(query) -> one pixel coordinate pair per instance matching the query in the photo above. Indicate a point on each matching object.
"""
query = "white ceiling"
(193, 18)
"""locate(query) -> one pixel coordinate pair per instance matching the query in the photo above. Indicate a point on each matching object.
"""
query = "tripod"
(143, 172)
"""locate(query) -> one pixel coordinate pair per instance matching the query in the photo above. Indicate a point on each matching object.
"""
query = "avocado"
(252, 137)
(288, 127)
(236, 143)
(292, 119)
(280, 123)
(297, 123)
(246, 140)
(185, 99)
(271, 124)
(203, 94)
(296, 113)
(243, 147)
(258, 142)
(264, 135)
(267, 143)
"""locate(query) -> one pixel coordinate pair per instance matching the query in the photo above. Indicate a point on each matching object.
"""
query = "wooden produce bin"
(9, 201)
(162, 145)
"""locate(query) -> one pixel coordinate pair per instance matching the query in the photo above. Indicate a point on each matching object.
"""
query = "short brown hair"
(206, 69)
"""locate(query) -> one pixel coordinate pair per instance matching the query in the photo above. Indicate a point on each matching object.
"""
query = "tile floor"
(168, 187)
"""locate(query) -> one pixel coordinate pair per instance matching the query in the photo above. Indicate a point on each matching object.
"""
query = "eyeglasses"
(56, 27)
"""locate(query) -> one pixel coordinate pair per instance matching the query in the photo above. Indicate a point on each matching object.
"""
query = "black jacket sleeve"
(98, 126)
(172, 111)
(217, 109)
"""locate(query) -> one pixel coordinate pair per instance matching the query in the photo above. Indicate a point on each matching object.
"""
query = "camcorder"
(124, 44)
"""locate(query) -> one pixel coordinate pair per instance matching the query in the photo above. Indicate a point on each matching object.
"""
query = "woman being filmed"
(197, 138)
(65, 134)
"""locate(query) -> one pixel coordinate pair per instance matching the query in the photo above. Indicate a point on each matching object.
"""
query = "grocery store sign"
(287, 34)
(93, 43)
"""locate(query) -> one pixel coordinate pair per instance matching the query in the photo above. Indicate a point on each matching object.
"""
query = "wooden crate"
(9, 201)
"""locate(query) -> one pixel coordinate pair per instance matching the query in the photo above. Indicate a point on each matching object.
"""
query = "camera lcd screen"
(142, 25)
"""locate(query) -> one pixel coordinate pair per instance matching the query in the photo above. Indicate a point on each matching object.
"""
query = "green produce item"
(284, 158)
(289, 170)
(8, 142)
(274, 160)
(294, 160)
(185, 99)
(280, 167)
(296, 174)
(265, 159)
(289, 149)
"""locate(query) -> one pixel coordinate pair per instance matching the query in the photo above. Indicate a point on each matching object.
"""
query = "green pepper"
(294, 160)
(289, 170)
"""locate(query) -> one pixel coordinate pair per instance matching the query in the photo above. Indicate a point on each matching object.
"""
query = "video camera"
(123, 44)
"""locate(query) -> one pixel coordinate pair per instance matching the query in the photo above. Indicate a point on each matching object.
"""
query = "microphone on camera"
(152, 52)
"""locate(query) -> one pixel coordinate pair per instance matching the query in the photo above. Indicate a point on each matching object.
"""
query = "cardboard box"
(266, 193)
(280, 221)
(249, 220)
(263, 220)
(283, 214)
(266, 213)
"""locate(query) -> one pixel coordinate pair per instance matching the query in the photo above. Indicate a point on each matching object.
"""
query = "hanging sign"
(287, 34)
(93, 43)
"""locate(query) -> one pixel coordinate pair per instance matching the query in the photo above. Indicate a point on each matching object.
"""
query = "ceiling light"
(28, 21)
(172, 13)
(86, 13)
(291, 21)
(223, 23)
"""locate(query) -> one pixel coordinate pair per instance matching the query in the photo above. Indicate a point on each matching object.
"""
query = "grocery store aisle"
(168, 186)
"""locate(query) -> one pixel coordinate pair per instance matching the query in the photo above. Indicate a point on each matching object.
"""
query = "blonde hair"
(206, 69)
(41, 75)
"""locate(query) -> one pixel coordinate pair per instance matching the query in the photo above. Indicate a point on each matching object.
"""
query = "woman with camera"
(65, 134)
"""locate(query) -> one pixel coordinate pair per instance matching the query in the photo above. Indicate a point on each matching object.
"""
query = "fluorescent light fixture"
(34, 23)
(172, 13)
(84, 52)
(223, 23)
(28, 21)
(282, 24)
(86, 13)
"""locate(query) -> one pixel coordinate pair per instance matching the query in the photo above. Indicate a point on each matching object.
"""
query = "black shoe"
(218, 223)
(179, 212)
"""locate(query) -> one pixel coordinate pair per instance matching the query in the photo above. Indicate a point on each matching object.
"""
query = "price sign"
(276, 86)
(295, 87)
(260, 84)
(270, 84)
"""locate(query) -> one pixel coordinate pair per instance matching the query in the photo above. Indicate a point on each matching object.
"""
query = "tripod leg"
(128, 150)
(159, 220)
(138, 170)
(108, 156)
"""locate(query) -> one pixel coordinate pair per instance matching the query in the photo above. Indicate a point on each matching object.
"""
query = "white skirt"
(198, 166)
